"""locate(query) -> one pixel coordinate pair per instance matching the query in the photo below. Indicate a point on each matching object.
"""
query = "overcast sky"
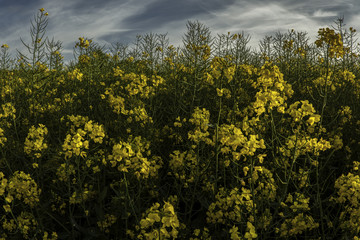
(111, 21)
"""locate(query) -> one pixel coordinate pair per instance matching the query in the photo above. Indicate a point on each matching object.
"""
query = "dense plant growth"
(211, 140)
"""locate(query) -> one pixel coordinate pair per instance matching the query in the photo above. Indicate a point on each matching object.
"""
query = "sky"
(119, 21)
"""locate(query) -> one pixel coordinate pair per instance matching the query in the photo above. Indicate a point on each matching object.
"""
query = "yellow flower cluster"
(288, 44)
(42, 12)
(105, 224)
(183, 166)
(95, 131)
(219, 67)
(250, 234)
(249, 69)
(223, 92)
(20, 186)
(3, 183)
(157, 81)
(348, 194)
(333, 80)
(64, 171)
(83, 43)
(4, 46)
(41, 67)
(58, 203)
(85, 59)
(132, 87)
(305, 110)
(297, 225)
(204, 234)
(232, 138)
(116, 102)
(299, 201)
(300, 51)
(272, 98)
(177, 159)
(3, 139)
(202, 50)
(118, 72)
(129, 157)
(77, 141)
(57, 54)
(208, 78)
(345, 113)
(230, 207)
(34, 142)
(76, 74)
(9, 225)
(328, 81)
(296, 222)
(251, 145)
(46, 236)
(300, 145)
(332, 41)
(201, 119)
(81, 196)
(349, 77)
(159, 223)
(137, 85)
(178, 122)
(336, 142)
(272, 78)
(74, 144)
(140, 115)
(7, 90)
(25, 223)
(264, 186)
(274, 91)
(302, 178)
(8, 110)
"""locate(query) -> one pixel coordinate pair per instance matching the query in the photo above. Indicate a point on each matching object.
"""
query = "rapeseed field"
(211, 140)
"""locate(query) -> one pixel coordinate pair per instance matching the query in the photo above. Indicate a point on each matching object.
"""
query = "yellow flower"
(219, 92)
(145, 223)
(42, 9)
(9, 198)
(311, 121)
(153, 217)
(234, 233)
(251, 234)
(7, 208)
(96, 169)
(261, 157)
(245, 169)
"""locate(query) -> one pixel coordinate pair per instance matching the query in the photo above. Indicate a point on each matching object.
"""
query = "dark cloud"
(112, 21)
(15, 13)
(80, 7)
(311, 8)
(162, 12)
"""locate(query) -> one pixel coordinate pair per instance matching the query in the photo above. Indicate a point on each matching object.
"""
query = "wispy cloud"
(68, 23)
(257, 20)
(321, 13)
(111, 21)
